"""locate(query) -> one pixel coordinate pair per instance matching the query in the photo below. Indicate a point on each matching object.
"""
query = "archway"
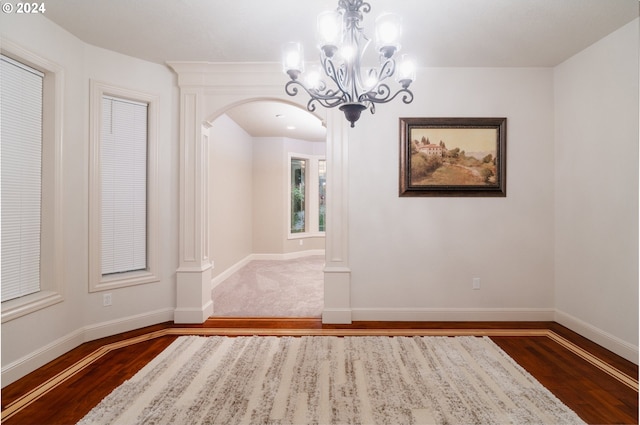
(263, 268)
(206, 91)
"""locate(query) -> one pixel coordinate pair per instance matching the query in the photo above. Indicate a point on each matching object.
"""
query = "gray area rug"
(332, 380)
(278, 288)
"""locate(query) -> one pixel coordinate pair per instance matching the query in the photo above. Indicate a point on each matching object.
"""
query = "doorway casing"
(207, 90)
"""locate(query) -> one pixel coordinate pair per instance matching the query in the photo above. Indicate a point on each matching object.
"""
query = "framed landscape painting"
(453, 157)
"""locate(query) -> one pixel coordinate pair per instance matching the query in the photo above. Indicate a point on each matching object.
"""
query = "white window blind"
(123, 160)
(20, 162)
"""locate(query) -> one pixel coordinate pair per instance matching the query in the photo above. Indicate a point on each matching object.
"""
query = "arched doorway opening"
(206, 91)
(266, 219)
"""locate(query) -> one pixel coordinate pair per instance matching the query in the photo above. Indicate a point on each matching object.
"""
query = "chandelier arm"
(408, 96)
(337, 75)
(372, 108)
(327, 103)
(383, 95)
(291, 89)
(310, 106)
(328, 99)
(387, 70)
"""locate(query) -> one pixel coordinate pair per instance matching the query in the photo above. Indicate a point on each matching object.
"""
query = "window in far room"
(307, 193)
(298, 195)
(322, 193)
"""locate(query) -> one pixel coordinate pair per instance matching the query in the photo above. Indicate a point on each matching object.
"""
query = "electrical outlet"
(301, 242)
(106, 300)
(476, 283)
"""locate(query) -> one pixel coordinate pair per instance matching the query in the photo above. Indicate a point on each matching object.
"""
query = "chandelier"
(342, 44)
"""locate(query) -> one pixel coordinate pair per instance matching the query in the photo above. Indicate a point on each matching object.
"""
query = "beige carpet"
(337, 380)
(287, 288)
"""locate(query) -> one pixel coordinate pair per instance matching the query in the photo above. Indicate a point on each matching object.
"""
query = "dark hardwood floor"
(596, 396)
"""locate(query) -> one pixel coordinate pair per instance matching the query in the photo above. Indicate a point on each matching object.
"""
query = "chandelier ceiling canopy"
(342, 44)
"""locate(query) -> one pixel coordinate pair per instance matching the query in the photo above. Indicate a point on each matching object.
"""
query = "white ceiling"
(278, 119)
(439, 33)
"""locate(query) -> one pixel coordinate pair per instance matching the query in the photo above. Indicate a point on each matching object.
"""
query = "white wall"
(596, 202)
(230, 193)
(247, 204)
(414, 258)
(269, 178)
(31, 340)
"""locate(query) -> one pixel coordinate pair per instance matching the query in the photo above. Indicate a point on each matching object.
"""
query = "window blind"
(123, 161)
(20, 162)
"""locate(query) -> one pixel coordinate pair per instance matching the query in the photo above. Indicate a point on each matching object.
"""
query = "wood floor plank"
(72, 400)
(594, 395)
(577, 383)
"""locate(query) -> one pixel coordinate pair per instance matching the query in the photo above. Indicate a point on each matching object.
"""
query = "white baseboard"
(453, 314)
(336, 316)
(126, 324)
(272, 257)
(600, 337)
(32, 361)
(231, 270)
(288, 255)
(193, 315)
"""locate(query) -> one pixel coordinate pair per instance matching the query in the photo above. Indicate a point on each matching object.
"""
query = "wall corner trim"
(610, 342)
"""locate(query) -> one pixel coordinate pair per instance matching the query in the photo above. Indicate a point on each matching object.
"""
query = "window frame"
(51, 242)
(325, 194)
(306, 167)
(98, 281)
(312, 203)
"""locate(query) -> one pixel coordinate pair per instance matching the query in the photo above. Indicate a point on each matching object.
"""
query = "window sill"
(125, 279)
(305, 235)
(22, 306)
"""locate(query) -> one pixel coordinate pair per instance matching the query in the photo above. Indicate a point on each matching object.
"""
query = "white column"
(194, 303)
(337, 274)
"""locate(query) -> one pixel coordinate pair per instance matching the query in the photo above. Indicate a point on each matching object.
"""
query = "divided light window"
(21, 165)
(322, 193)
(298, 195)
(307, 193)
(123, 159)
